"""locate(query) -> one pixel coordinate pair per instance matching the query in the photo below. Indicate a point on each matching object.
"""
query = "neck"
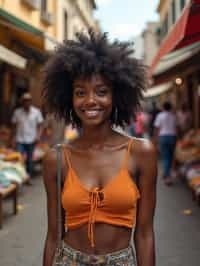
(97, 136)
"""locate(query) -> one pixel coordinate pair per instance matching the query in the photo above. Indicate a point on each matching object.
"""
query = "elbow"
(51, 237)
(144, 233)
(49, 250)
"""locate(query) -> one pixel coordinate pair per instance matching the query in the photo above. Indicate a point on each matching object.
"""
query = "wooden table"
(10, 191)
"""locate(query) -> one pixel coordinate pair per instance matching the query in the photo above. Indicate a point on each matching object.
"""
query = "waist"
(167, 133)
(108, 238)
(123, 256)
(167, 137)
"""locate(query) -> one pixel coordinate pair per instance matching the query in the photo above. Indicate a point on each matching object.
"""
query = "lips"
(92, 113)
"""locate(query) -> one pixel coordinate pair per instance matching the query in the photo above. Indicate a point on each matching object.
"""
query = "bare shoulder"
(49, 164)
(143, 147)
(144, 152)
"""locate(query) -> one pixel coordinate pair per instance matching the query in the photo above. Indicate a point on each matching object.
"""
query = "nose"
(90, 99)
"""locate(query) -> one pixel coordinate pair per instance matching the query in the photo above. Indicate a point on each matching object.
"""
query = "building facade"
(74, 16)
(180, 66)
(29, 30)
(151, 41)
(169, 12)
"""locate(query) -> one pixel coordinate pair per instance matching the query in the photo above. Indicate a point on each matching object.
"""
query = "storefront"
(177, 61)
(182, 69)
(22, 53)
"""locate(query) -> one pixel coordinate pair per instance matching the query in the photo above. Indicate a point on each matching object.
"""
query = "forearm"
(49, 252)
(145, 249)
(39, 131)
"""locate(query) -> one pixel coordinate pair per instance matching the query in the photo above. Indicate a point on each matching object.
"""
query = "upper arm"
(157, 122)
(50, 183)
(49, 178)
(39, 117)
(147, 164)
(157, 125)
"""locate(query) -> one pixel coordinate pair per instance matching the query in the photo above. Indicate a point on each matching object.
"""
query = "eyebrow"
(79, 83)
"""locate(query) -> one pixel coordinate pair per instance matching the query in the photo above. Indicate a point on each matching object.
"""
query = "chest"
(28, 119)
(98, 169)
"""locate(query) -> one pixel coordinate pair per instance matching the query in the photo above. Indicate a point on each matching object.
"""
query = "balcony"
(32, 4)
(47, 18)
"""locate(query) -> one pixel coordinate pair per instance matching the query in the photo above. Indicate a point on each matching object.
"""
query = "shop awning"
(185, 32)
(158, 90)
(20, 23)
(12, 58)
(177, 57)
(22, 30)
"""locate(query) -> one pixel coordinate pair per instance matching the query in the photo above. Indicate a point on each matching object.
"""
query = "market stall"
(12, 176)
(188, 158)
(12, 171)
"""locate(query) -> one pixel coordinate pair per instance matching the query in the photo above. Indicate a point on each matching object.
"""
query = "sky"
(124, 19)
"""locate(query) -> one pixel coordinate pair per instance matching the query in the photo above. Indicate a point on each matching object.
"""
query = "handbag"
(58, 257)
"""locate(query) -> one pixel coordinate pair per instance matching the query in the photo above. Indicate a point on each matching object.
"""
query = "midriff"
(108, 238)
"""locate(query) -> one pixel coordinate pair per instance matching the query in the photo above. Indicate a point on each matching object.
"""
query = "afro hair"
(92, 53)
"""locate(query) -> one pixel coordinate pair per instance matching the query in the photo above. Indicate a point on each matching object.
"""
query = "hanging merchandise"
(12, 168)
(188, 157)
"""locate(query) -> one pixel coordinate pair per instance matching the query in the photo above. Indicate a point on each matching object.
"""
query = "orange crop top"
(114, 204)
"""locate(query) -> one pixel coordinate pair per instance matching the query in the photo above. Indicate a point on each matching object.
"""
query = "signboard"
(12, 58)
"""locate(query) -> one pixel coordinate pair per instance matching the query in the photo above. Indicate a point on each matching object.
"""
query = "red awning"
(186, 31)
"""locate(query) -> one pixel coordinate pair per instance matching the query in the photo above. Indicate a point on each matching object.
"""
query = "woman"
(166, 131)
(95, 85)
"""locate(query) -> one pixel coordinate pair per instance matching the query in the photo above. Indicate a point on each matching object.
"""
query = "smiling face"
(92, 100)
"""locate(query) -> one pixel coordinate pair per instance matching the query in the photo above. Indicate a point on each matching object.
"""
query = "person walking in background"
(130, 129)
(140, 125)
(184, 118)
(108, 179)
(152, 117)
(27, 125)
(166, 131)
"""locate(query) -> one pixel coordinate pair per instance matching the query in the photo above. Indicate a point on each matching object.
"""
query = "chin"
(93, 122)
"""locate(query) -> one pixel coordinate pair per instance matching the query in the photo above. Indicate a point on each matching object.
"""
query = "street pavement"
(177, 235)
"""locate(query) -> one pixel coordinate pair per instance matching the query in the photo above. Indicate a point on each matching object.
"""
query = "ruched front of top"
(114, 204)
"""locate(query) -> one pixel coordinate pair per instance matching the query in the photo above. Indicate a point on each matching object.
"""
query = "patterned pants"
(72, 257)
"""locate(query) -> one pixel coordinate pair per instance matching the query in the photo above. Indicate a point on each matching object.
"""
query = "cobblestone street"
(177, 235)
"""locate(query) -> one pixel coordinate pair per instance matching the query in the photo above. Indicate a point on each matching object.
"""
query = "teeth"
(92, 113)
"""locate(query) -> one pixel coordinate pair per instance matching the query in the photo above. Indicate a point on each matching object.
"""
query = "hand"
(155, 143)
(37, 139)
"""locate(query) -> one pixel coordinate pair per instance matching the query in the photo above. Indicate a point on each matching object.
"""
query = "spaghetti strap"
(66, 155)
(130, 144)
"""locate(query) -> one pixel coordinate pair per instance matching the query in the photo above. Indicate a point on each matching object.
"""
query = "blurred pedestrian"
(85, 83)
(27, 125)
(184, 117)
(166, 133)
(130, 128)
(140, 125)
(152, 116)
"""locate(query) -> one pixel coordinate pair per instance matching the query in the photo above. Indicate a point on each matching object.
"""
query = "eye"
(79, 92)
(102, 91)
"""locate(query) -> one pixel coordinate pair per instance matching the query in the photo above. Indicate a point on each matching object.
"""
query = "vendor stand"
(12, 171)
(188, 158)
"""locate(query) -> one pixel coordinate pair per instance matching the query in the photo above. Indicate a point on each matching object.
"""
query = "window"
(87, 6)
(65, 25)
(182, 4)
(164, 28)
(173, 11)
(43, 5)
(166, 24)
